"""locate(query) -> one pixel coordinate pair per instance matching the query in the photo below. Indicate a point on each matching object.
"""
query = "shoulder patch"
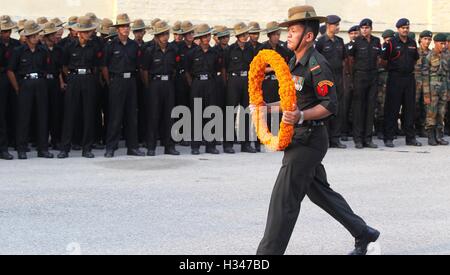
(323, 86)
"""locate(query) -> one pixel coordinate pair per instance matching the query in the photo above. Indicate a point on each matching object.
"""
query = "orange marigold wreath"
(287, 96)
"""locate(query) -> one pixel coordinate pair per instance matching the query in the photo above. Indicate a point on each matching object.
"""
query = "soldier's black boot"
(63, 154)
(45, 155)
(170, 150)
(361, 243)
(5, 155)
(432, 137)
(440, 137)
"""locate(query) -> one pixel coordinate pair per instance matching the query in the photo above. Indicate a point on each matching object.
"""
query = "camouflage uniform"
(435, 76)
(381, 97)
(420, 114)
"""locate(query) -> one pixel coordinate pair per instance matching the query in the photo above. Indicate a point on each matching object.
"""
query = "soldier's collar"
(304, 60)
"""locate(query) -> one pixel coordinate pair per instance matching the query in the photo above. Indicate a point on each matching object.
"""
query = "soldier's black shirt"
(183, 50)
(365, 53)
(257, 48)
(23, 61)
(201, 62)
(401, 57)
(2, 58)
(77, 57)
(9, 49)
(314, 82)
(120, 58)
(66, 40)
(237, 59)
(157, 62)
(333, 51)
(54, 64)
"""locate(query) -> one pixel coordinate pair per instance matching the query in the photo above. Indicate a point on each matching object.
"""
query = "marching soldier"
(381, 94)
(435, 70)
(26, 71)
(237, 64)
(332, 48)
(120, 66)
(401, 55)
(202, 65)
(54, 82)
(159, 66)
(302, 172)
(81, 59)
(425, 38)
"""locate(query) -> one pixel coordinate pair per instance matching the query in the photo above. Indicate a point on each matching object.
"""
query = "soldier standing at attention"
(81, 59)
(425, 39)
(302, 173)
(353, 32)
(203, 64)
(158, 67)
(435, 70)
(55, 82)
(26, 71)
(72, 36)
(332, 48)
(139, 31)
(237, 64)
(381, 94)
(401, 55)
(255, 33)
(364, 53)
(177, 37)
(120, 67)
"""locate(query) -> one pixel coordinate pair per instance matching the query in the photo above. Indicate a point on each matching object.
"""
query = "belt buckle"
(244, 74)
(82, 71)
(50, 76)
(203, 77)
(164, 77)
(127, 75)
(34, 76)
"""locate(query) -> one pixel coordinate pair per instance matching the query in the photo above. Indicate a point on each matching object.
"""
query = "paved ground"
(217, 204)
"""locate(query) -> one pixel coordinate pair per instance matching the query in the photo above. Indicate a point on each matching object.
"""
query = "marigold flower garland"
(287, 96)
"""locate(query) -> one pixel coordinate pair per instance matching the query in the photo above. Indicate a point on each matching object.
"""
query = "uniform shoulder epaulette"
(314, 66)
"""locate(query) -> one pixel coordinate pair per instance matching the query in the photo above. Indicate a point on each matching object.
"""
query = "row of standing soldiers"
(86, 91)
(379, 84)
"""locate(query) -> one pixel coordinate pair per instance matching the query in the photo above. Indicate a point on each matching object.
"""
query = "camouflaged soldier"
(381, 94)
(425, 39)
(435, 71)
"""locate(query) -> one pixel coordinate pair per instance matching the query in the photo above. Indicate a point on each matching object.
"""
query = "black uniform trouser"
(206, 91)
(160, 101)
(56, 108)
(347, 117)
(334, 125)
(3, 104)
(364, 100)
(400, 92)
(33, 93)
(302, 173)
(222, 100)
(11, 112)
(142, 111)
(79, 109)
(122, 111)
(100, 111)
(237, 95)
(182, 90)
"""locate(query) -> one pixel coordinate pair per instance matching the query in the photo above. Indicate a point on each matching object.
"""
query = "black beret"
(388, 33)
(426, 34)
(353, 29)
(366, 22)
(333, 19)
(402, 22)
(440, 37)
